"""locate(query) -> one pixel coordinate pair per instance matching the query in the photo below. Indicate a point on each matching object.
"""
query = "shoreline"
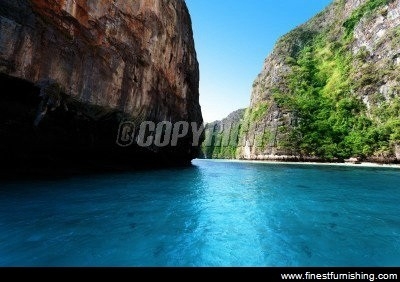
(360, 165)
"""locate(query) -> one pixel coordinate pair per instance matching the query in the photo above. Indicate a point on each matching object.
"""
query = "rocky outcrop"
(110, 60)
(222, 137)
(330, 89)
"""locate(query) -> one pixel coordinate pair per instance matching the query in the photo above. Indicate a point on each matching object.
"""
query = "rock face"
(222, 137)
(110, 60)
(330, 90)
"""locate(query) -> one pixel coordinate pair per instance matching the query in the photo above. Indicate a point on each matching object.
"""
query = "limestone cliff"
(222, 137)
(330, 90)
(109, 61)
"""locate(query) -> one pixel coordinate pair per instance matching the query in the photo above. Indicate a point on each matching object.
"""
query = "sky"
(233, 38)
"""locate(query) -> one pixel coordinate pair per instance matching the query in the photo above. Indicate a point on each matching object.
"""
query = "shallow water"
(211, 214)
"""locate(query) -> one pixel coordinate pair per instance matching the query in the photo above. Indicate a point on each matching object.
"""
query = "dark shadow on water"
(335, 214)
(133, 225)
(88, 170)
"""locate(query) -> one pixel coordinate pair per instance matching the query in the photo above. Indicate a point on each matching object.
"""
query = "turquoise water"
(211, 214)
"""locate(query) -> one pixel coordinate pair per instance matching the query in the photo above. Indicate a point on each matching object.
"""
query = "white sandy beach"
(363, 164)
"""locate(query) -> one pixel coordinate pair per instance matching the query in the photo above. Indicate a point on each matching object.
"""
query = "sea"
(212, 213)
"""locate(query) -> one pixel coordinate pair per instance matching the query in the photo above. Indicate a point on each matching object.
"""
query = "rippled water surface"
(211, 214)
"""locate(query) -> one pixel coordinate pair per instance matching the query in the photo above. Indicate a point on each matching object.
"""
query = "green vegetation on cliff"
(332, 120)
(369, 7)
(322, 93)
(222, 137)
(330, 89)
